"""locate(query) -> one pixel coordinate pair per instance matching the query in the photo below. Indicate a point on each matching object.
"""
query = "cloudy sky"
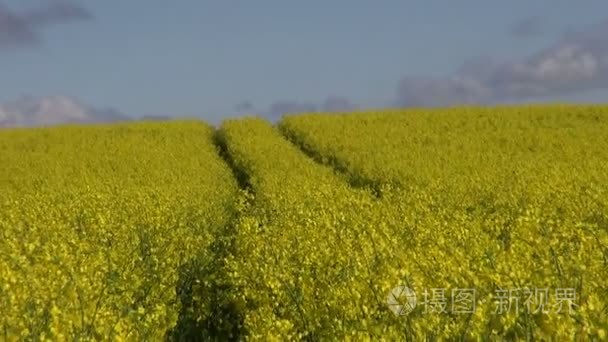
(214, 59)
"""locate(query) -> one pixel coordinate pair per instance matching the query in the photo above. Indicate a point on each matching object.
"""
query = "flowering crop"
(467, 198)
(95, 223)
(441, 224)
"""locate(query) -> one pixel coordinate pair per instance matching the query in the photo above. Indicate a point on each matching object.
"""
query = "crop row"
(98, 224)
(318, 258)
(140, 232)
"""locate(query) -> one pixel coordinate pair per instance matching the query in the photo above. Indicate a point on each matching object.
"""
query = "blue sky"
(203, 58)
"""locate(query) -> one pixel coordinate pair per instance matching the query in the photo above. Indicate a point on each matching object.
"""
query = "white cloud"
(576, 63)
(52, 110)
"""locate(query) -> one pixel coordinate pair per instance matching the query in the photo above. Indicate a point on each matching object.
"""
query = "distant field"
(474, 223)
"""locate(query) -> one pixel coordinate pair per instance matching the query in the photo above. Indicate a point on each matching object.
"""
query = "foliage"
(470, 198)
(97, 222)
(139, 231)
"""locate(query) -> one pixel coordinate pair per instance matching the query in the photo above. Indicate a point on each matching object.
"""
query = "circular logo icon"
(401, 300)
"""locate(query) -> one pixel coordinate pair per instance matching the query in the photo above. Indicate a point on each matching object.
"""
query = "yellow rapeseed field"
(460, 223)
(95, 223)
(503, 201)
